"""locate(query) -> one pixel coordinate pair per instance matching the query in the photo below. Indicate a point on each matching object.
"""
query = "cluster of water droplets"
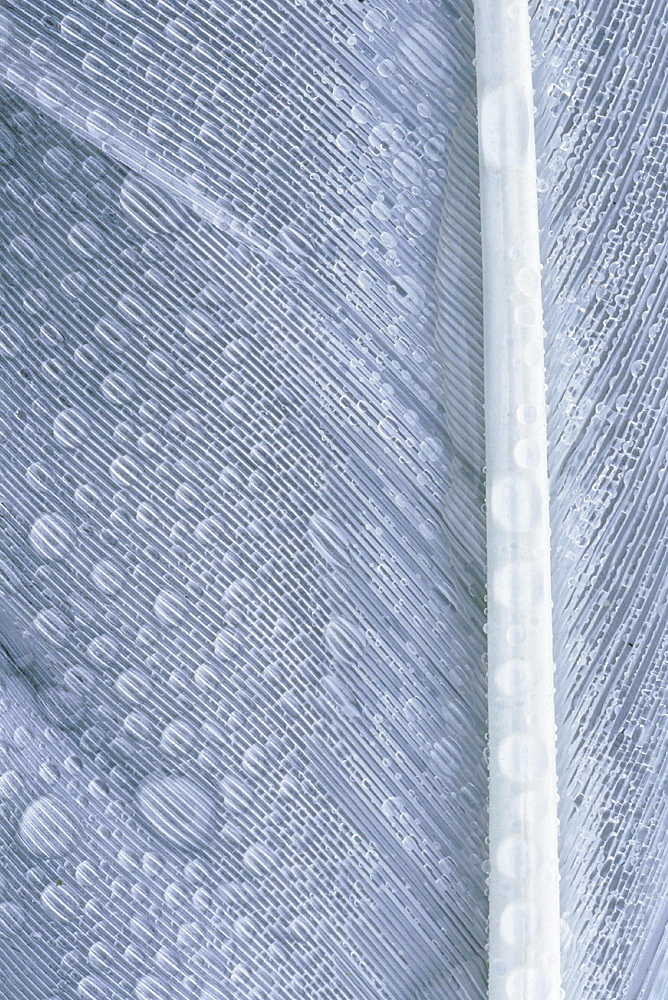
(601, 143)
(243, 703)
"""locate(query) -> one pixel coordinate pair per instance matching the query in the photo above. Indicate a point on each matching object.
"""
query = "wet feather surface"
(601, 138)
(244, 544)
(241, 463)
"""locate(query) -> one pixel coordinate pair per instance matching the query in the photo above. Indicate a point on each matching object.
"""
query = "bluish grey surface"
(601, 84)
(243, 705)
(241, 464)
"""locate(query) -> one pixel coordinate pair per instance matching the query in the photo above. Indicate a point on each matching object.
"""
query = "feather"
(243, 543)
(243, 546)
(601, 142)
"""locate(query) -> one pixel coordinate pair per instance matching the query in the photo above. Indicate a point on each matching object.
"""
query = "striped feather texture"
(603, 149)
(243, 559)
(243, 535)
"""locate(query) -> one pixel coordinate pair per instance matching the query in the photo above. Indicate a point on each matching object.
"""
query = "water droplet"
(393, 807)
(70, 427)
(103, 650)
(519, 585)
(200, 327)
(340, 695)
(345, 640)
(374, 20)
(515, 503)
(107, 576)
(52, 536)
(514, 925)
(329, 539)
(140, 725)
(51, 625)
(522, 758)
(385, 68)
(345, 141)
(406, 169)
(48, 827)
(527, 280)
(525, 981)
(527, 453)
(524, 315)
(259, 859)
(431, 450)
(178, 738)
(61, 902)
(118, 388)
(170, 607)
(26, 251)
(421, 50)
(515, 678)
(515, 858)
(254, 759)
(58, 161)
(177, 809)
(86, 239)
(237, 792)
(125, 471)
(434, 148)
(228, 644)
(515, 636)
(533, 354)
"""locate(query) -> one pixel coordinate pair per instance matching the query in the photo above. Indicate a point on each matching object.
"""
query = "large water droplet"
(177, 809)
(48, 827)
(52, 536)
